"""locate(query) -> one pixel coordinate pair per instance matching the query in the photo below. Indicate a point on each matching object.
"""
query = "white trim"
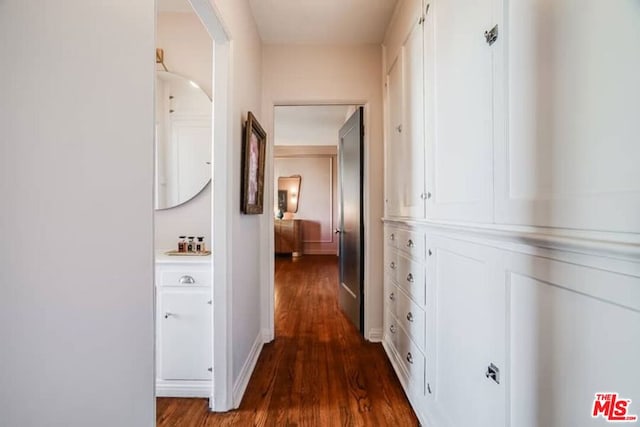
(168, 388)
(247, 369)
(612, 245)
(221, 391)
(375, 335)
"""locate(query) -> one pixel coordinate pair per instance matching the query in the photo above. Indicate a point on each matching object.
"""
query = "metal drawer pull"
(410, 243)
(410, 278)
(392, 265)
(392, 296)
(392, 329)
(410, 358)
(187, 280)
(430, 253)
(410, 316)
(167, 315)
(392, 237)
(493, 373)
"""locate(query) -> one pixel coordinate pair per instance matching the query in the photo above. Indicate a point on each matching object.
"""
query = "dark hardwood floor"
(318, 372)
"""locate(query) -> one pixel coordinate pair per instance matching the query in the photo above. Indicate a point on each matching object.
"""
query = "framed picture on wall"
(253, 158)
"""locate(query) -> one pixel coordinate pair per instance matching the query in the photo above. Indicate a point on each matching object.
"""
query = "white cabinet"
(460, 154)
(184, 327)
(405, 147)
(567, 130)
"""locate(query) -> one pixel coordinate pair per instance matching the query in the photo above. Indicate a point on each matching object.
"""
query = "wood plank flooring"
(318, 372)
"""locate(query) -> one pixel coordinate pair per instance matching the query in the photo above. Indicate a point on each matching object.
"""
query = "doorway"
(308, 220)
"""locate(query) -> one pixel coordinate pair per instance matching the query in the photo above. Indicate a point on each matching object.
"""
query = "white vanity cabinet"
(184, 326)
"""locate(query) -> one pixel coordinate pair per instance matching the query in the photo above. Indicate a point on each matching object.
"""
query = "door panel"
(351, 224)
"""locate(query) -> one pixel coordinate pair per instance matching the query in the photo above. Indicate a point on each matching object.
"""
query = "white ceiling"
(309, 125)
(174, 6)
(330, 22)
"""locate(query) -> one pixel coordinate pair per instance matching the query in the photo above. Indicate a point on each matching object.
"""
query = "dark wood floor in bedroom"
(318, 371)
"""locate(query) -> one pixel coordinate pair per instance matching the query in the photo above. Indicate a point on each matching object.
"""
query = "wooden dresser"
(288, 236)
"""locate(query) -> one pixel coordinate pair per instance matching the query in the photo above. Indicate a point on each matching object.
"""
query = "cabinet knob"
(410, 316)
(337, 231)
(392, 296)
(493, 373)
(167, 315)
(392, 329)
(429, 252)
(399, 128)
(410, 358)
(410, 278)
(392, 236)
(392, 265)
(187, 280)
(410, 243)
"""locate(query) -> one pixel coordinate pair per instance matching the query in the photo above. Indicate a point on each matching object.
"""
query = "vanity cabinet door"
(184, 334)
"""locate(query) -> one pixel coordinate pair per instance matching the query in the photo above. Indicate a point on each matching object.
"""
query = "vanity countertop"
(163, 258)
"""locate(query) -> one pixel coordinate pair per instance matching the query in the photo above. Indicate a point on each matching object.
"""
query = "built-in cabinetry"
(288, 236)
(512, 209)
(183, 326)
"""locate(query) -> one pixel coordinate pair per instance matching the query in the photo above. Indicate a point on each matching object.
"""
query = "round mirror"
(183, 140)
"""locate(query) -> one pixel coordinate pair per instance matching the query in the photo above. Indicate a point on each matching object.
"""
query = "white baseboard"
(267, 336)
(181, 388)
(241, 383)
(375, 335)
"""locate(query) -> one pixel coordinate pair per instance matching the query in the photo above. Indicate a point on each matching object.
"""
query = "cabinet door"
(567, 151)
(394, 139)
(461, 153)
(184, 338)
(468, 311)
(406, 145)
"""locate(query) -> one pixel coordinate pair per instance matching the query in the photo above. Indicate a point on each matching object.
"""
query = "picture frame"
(253, 158)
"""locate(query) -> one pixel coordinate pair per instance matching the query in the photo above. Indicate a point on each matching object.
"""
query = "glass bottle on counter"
(200, 244)
(191, 247)
(182, 244)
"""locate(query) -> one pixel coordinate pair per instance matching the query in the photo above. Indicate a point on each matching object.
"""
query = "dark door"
(351, 228)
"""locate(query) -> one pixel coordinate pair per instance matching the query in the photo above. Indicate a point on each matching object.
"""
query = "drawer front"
(391, 262)
(184, 277)
(411, 317)
(391, 237)
(411, 242)
(411, 277)
(411, 358)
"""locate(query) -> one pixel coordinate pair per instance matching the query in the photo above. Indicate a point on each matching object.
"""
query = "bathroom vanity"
(183, 326)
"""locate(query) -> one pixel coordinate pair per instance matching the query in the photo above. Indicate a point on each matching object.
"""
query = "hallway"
(318, 371)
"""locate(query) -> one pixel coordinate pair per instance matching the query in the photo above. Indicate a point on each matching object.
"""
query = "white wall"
(244, 247)
(76, 182)
(187, 52)
(341, 75)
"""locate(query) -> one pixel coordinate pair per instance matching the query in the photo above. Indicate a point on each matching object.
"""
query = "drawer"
(184, 277)
(411, 242)
(411, 317)
(391, 262)
(412, 278)
(411, 358)
(391, 237)
(391, 295)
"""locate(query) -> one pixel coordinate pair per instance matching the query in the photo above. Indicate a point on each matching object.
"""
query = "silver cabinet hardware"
(392, 296)
(210, 369)
(410, 358)
(167, 315)
(429, 388)
(392, 329)
(423, 196)
(410, 243)
(187, 280)
(491, 36)
(337, 231)
(421, 20)
(426, 10)
(399, 128)
(410, 316)
(392, 265)
(410, 278)
(429, 252)
(210, 302)
(392, 237)
(493, 372)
